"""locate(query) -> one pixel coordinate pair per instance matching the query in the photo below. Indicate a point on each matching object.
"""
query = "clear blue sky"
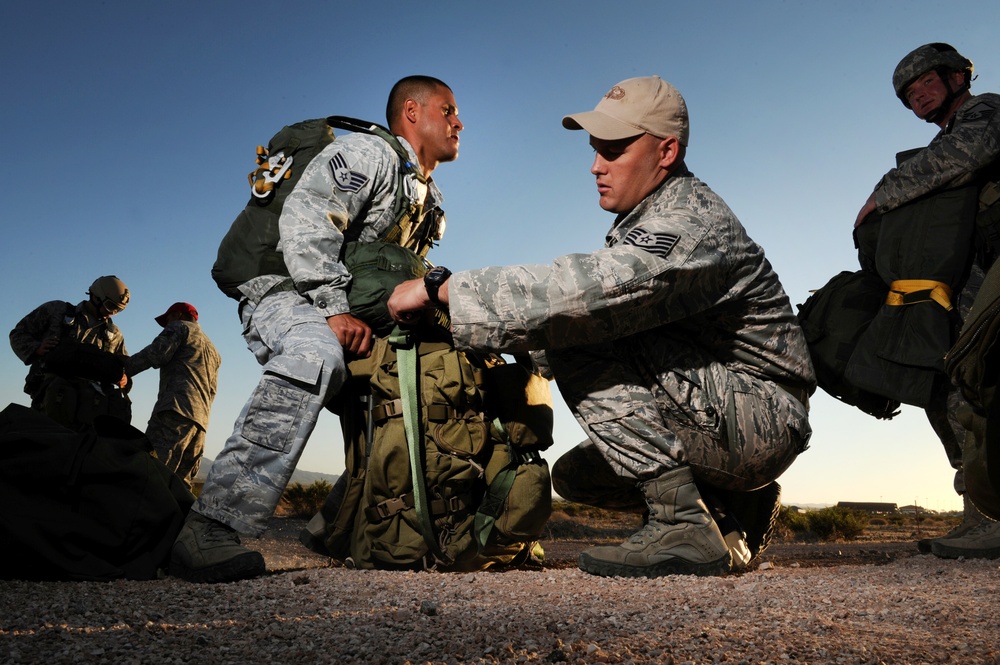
(130, 128)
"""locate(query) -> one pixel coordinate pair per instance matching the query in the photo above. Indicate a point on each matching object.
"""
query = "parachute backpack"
(250, 247)
(444, 471)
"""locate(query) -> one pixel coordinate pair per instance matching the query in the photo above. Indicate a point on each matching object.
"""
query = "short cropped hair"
(411, 87)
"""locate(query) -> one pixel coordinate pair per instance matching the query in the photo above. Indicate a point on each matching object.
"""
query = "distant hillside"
(299, 476)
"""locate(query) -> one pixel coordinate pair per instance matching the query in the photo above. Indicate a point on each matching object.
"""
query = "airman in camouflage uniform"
(69, 398)
(934, 82)
(189, 377)
(675, 346)
(299, 327)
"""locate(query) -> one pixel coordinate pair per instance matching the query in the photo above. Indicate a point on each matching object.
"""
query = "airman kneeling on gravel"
(674, 345)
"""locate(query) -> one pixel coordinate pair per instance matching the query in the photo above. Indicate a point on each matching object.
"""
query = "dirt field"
(876, 600)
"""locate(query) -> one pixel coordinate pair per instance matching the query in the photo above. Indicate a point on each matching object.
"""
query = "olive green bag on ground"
(445, 470)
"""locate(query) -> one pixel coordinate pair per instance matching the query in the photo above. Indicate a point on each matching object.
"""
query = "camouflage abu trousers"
(303, 367)
(649, 404)
(947, 401)
(178, 442)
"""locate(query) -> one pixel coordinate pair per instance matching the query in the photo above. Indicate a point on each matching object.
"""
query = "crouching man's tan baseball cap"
(644, 105)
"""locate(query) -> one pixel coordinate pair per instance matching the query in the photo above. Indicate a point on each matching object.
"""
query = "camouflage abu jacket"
(679, 265)
(189, 370)
(956, 156)
(351, 182)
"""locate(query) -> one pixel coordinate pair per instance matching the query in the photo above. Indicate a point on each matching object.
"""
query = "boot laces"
(649, 532)
(217, 533)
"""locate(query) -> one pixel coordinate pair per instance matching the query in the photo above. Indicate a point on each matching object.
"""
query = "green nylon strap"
(406, 360)
(394, 232)
(496, 495)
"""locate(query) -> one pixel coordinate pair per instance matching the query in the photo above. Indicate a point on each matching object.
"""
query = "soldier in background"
(189, 377)
(675, 346)
(75, 353)
(934, 82)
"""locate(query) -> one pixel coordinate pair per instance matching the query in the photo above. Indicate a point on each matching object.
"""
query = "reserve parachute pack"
(250, 247)
(444, 466)
(878, 336)
(833, 319)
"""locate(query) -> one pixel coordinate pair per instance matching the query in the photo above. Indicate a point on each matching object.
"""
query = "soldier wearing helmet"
(933, 81)
(75, 356)
(108, 295)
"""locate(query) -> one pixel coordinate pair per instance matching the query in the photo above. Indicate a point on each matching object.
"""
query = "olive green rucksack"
(477, 425)
(250, 247)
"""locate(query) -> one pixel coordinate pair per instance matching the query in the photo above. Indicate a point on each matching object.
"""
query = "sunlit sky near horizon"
(131, 127)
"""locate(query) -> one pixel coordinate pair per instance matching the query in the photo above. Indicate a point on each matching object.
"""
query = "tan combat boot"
(210, 551)
(971, 518)
(979, 542)
(680, 537)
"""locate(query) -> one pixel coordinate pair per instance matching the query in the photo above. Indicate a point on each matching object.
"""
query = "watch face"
(438, 274)
(434, 278)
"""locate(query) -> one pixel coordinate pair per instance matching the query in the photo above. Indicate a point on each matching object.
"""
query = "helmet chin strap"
(938, 114)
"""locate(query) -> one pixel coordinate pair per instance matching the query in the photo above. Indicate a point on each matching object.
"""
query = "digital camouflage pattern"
(669, 345)
(189, 378)
(947, 402)
(958, 155)
(248, 477)
(50, 319)
(73, 402)
(189, 370)
(178, 442)
(327, 205)
(966, 151)
(346, 193)
(923, 59)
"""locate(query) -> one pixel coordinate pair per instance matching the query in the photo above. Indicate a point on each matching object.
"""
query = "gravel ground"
(802, 605)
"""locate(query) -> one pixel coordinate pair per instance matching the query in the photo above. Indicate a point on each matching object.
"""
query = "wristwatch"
(433, 280)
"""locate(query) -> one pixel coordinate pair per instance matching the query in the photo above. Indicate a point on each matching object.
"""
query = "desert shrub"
(825, 524)
(305, 500)
(580, 510)
(836, 523)
(577, 521)
(791, 523)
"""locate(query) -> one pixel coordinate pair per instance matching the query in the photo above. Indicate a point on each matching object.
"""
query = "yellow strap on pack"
(912, 291)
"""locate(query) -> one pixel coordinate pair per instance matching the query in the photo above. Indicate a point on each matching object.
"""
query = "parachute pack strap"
(406, 359)
(355, 125)
(394, 232)
(912, 291)
(496, 496)
(391, 507)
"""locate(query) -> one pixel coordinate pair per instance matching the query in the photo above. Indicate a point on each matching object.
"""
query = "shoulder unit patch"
(660, 244)
(344, 177)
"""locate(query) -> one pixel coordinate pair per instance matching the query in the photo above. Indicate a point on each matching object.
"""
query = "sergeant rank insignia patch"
(660, 244)
(344, 177)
